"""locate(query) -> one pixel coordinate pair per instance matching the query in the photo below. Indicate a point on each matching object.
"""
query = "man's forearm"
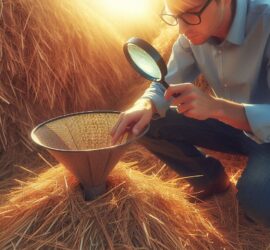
(147, 102)
(231, 113)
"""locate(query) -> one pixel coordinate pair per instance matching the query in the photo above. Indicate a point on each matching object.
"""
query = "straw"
(138, 211)
(58, 57)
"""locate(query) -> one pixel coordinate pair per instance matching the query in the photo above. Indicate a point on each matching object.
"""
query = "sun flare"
(130, 8)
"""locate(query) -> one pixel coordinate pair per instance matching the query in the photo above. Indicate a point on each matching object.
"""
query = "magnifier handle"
(166, 85)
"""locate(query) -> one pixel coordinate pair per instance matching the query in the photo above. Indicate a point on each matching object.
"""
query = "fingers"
(138, 127)
(183, 108)
(176, 89)
(128, 123)
(183, 98)
(134, 119)
(119, 129)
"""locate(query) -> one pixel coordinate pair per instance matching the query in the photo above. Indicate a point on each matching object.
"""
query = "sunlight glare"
(134, 8)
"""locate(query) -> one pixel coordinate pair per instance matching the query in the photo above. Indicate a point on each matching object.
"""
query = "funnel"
(82, 143)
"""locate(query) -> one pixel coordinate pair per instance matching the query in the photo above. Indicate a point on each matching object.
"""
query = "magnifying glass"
(146, 60)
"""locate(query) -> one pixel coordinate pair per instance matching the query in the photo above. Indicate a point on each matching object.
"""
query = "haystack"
(138, 211)
(64, 56)
(58, 57)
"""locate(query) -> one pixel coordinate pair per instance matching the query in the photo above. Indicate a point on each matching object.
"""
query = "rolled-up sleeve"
(181, 68)
(258, 115)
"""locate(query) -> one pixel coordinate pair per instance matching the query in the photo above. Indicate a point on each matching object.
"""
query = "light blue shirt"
(238, 69)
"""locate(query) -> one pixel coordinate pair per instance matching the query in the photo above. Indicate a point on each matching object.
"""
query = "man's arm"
(181, 68)
(258, 115)
(231, 113)
(252, 118)
(194, 103)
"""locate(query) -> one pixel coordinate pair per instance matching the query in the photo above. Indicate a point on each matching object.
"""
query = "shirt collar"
(236, 33)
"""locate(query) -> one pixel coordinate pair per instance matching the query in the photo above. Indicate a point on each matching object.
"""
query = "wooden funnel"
(82, 143)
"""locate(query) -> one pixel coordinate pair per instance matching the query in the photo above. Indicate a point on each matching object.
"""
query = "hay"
(231, 218)
(139, 211)
(58, 57)
(48, 48)
(223, 209)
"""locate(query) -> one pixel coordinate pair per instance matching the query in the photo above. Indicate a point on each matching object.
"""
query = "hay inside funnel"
(82, 143)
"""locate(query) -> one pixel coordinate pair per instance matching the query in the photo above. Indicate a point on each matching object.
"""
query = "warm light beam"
(130, 8)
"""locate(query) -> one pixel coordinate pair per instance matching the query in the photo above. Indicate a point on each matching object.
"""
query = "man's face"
(211, 19)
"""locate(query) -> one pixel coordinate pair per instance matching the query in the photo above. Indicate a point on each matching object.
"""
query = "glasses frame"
(180, 15)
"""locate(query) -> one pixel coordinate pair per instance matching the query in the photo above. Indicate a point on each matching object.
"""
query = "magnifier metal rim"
(150, 51)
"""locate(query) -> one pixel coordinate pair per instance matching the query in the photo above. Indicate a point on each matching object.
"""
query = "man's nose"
(182, 26)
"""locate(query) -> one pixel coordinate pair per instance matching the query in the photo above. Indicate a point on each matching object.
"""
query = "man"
(229, 42)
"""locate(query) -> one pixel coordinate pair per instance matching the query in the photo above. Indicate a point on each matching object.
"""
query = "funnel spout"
(82, 143)
(91, 193)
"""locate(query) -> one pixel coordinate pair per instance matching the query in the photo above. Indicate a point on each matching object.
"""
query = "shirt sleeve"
(181, 68)
(258, 115)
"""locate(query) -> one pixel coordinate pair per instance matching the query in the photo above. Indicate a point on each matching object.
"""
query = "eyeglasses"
(190, 18)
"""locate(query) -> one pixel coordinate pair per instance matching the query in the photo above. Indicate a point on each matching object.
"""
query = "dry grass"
(51, 65)
(58, 57)
(139, 211)
(222, 210)
(146, 206)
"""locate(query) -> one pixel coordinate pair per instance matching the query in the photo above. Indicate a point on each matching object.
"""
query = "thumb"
(169, 91)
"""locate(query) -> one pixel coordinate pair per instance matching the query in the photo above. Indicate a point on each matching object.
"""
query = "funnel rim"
(82, 150)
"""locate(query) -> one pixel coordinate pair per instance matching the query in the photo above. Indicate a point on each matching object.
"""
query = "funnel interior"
(79, 132)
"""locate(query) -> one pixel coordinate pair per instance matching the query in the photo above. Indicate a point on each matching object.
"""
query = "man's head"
(200, 19)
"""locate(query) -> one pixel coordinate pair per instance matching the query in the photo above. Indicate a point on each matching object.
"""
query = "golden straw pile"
(62, 56)
(58, 57)
(139, 211)
(222, 210)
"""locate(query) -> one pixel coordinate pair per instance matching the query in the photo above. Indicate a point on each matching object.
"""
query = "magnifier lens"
(144, 61)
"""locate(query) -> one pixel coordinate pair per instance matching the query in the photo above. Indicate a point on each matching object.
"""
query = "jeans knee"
(153, 129)
(253, 196)
(156, 128)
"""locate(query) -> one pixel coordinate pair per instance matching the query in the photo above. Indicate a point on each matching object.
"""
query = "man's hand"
(192, 102)
(135, 119)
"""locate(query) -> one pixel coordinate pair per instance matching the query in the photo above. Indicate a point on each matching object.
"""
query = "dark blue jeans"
(172, 139)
